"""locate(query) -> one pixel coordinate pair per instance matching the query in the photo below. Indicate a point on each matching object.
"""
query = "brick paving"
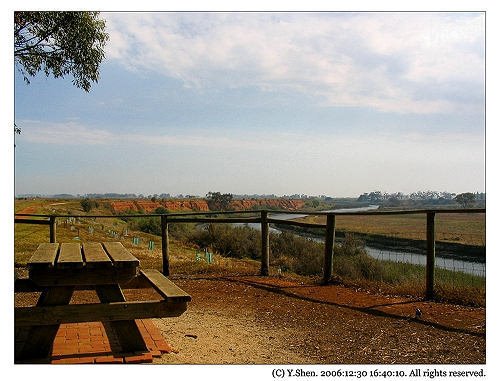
(97, 343)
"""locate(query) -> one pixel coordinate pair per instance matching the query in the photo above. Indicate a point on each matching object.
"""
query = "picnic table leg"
(127, 331)
(40, 338)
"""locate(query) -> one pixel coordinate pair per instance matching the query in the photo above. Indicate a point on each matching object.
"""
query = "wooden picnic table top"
(73, 263)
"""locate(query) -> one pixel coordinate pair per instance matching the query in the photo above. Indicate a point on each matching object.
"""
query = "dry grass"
(466, 228)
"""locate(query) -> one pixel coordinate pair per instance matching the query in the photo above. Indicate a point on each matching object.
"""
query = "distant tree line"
(465, 200)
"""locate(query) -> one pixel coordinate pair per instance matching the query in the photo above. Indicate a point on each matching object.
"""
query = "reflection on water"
(285, 216)
(474, 268)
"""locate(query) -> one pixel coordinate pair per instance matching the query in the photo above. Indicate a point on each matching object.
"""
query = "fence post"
(329, 245)
(52, 229)
(164, 246)
(264, 268)
(431, 255)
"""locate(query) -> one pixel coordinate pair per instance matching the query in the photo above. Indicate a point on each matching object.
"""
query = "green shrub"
(152, 225)
(181, 231)
(352, 262)
(296, 254)
(237, 242)
(350, 246)
(88, 204)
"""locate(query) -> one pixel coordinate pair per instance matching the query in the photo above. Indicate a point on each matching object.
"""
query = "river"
(474, 268)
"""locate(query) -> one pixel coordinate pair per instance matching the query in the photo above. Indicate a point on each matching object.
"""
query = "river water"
(474, 268)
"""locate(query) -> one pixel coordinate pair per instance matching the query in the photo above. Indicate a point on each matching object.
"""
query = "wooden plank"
(114, 311)
(165, 287)
(295, 223)
(128, 333)
(44, 256)
(120, 256)
(264, 252)
(82, 276)
(431, 256)
(233, 220)
(164, 246)
(52, 229)
(95, 256)
(70, 256)
(329, 248)
(26, 285)
(31, 222)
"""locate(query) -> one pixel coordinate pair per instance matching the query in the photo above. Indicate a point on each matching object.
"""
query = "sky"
(318, 103)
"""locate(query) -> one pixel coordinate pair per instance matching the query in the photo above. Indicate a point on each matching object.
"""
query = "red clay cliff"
(201, 205)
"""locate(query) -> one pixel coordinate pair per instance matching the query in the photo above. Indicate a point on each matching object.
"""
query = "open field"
(467, 228)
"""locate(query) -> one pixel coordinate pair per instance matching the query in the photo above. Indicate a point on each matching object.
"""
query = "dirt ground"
(269, 320)
(256, 320)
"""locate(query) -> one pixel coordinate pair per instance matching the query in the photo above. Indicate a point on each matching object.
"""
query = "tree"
(161, 210)
(60, 43)
(218, 201)
(466, 200)
(88, 204)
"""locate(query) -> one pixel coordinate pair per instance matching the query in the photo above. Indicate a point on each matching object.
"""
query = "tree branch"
(43, 53)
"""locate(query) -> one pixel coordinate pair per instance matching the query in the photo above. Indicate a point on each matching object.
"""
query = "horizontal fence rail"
(264, 218)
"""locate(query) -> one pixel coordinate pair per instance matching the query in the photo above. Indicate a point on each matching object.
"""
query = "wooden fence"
(264, 219)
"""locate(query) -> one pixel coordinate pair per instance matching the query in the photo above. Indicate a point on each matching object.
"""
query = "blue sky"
(315, 103)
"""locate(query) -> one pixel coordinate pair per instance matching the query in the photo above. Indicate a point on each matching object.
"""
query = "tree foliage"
(60, 43)
(466, 200)
(218, 201)
(88, 204)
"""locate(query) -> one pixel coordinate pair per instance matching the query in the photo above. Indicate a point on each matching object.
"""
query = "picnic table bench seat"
(57, 269)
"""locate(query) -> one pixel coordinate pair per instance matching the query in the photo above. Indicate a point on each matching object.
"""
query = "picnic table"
(57, 269)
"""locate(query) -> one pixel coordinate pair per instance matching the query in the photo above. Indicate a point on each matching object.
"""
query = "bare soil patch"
(256, 320)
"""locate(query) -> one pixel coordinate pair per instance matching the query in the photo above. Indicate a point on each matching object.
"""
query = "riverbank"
(471, 253)
(457, 228)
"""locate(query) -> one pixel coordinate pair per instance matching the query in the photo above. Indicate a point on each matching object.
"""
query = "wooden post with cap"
(164, 246)
(329, 246)
(264, 268)
(431, 256)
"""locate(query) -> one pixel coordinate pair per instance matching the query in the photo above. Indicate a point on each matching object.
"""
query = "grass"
(466, 228)
(408, 279)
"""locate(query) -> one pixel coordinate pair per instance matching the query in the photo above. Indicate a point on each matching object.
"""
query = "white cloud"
(67, 133)
(377, 60)
(73, 133)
